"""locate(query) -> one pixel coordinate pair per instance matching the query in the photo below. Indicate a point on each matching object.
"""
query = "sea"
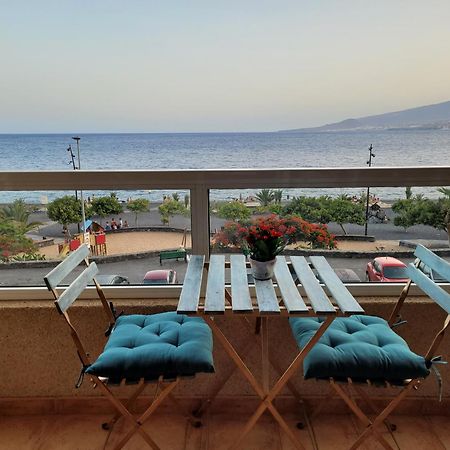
(152, 151)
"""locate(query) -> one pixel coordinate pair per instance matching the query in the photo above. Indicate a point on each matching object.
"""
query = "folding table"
(210, 301)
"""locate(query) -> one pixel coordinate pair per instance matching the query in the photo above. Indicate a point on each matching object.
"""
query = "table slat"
(240, 294)
(340, 293)
(190, 293)
(215, 290)
(319, 300)
(266, 297)
(291, 297)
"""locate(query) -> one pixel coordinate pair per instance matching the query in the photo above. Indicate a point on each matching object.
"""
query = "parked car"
(345, 275)
(111, 279)
(387, 270)
(430, 273)
(160, 277)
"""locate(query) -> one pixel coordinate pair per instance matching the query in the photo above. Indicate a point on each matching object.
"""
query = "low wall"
(39, 366)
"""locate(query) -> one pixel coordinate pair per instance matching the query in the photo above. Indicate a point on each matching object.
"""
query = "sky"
(209, 66)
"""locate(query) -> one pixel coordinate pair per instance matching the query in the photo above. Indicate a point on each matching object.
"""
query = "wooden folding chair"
(141, 349)
(365, 351)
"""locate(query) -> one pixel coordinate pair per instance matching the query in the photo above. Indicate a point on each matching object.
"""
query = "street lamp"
(83, 217)
(369, 163)
(72, 161)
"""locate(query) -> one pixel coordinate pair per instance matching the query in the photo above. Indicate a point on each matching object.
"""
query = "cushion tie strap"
(81, 376)
(82, 371)
(433, 362)
(399, 322)
(115, 315)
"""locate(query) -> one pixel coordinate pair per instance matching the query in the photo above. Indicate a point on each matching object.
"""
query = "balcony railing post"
(200, 220)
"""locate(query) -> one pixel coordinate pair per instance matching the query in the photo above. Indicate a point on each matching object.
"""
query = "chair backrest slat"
(63, 269)
(433, 261)
(76, 287)
(433, 290)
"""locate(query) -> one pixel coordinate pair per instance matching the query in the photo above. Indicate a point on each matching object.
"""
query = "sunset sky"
(194, 66)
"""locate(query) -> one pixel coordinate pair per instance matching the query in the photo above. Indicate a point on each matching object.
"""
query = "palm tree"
(277, 195)
(265, 196)
(18, 213)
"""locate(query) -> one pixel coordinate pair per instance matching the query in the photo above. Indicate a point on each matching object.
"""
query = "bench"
(173, 254)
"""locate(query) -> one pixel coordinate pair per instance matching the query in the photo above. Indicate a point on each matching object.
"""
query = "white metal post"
(200, 220)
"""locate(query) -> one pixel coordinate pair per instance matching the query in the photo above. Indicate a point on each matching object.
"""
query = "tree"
(65, 210)
(265, 196)
(233, 210)
(343, 210)
(19, 213)
(106, 206)
(138, 205)
(418, 210)
(312, 209)
(13, 240)
(277, 195)
(325, 209)
(169, 208)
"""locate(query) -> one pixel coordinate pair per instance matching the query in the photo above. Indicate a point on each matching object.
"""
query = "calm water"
(224, 150)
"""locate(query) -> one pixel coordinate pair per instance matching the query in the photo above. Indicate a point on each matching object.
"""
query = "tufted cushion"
(359, 347)
(147, 346)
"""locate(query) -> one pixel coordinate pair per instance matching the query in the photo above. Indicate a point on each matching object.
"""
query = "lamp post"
(369, 163)
(83, 217)
(72, 157)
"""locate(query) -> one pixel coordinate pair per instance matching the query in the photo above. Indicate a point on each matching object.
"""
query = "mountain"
(425, 117)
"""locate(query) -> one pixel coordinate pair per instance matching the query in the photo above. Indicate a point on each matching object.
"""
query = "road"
(136, 268)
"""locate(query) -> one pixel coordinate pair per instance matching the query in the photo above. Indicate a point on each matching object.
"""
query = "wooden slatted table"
(335, 300)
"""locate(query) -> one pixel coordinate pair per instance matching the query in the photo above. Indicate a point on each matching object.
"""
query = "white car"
(430, 273)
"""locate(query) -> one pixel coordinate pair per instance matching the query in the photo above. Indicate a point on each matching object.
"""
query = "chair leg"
(371, 426)
(136, 423)
(195, 421)
(129, 404)
(389, 426)
(361, 416)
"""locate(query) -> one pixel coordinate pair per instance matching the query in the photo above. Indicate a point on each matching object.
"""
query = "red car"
(386, 270)
(160, 277)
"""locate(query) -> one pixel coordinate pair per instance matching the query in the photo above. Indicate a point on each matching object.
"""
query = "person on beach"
(113, 224)
(107, 226)
(125, 224)
(120, 223)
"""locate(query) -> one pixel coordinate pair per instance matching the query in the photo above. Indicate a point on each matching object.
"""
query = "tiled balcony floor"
(171, 431)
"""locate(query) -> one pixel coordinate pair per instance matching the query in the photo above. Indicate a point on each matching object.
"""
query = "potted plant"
(262, 240)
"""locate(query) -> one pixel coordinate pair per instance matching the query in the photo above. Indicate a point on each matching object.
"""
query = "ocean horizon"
(162, 151)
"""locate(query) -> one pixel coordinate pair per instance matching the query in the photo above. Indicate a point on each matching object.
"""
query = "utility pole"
(83, 217)
(72, 156)
(369, 163)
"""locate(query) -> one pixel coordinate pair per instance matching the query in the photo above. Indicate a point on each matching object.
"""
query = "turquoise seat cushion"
(148, 346)
(359, 347)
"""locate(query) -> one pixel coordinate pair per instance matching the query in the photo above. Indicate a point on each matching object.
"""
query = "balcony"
(41, 408)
